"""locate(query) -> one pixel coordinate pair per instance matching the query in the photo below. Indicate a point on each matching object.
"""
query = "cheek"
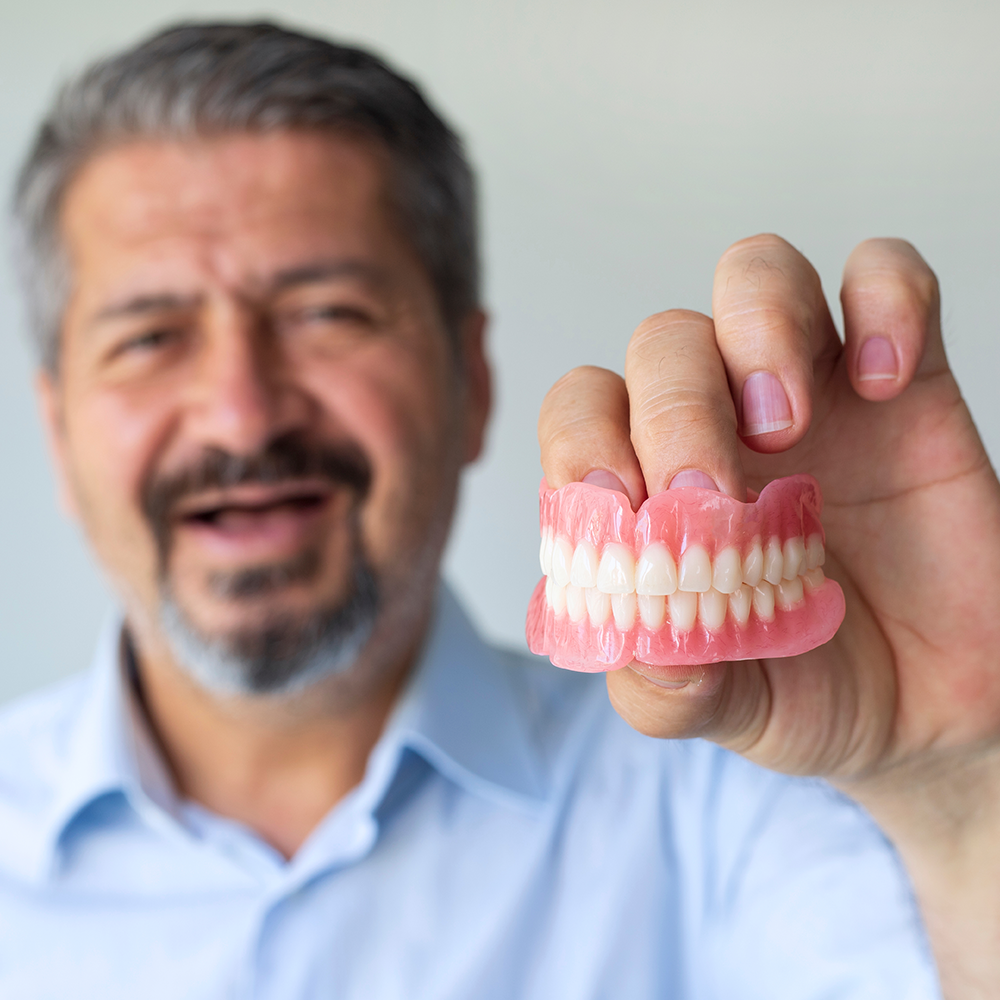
(111, 440)
(394, 401)
(402, 416)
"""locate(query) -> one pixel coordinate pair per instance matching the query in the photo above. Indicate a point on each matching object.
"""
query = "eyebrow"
(140, 305)
(293, 277)
(313, 273)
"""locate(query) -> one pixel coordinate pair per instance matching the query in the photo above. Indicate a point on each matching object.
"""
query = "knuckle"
(664, 323)
(763, 245)
(764, 271)
(576, 380)
(895, 269)
(667, 342)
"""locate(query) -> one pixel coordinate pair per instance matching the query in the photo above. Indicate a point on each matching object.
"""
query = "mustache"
(286, 458)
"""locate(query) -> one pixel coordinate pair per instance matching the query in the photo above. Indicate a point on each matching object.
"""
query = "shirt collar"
(462, 710)
(109, 749)
(465, 711)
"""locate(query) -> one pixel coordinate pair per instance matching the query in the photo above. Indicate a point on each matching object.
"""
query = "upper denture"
(693, 576)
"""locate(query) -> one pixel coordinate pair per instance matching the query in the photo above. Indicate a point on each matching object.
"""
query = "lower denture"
(693, 577)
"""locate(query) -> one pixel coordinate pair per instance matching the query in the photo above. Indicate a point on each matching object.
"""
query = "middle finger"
(682, 413)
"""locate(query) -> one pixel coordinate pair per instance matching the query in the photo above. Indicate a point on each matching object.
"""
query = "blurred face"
(259, 417)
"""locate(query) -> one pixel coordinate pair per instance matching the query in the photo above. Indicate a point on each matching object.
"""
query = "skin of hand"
(901, 709)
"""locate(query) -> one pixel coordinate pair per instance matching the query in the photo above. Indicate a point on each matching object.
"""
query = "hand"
(902, 707)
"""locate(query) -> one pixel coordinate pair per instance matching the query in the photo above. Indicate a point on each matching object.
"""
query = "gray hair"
(209, 79)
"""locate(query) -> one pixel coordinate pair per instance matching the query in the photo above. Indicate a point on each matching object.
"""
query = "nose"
(242, 395)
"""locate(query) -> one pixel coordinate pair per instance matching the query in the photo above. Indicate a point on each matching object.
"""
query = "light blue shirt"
(512, 839)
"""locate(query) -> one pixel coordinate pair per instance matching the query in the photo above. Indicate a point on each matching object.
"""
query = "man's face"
(257, 405)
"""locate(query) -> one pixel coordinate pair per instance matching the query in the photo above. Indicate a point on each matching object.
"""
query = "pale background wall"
(622, 147)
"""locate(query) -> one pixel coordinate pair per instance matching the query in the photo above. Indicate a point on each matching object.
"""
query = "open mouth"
(270, 509)
(231, 515)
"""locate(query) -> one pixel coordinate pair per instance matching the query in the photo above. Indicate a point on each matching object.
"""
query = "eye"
(147, 340)
(335, 313)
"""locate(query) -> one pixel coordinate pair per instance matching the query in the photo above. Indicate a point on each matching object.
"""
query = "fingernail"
(693, 477)
(606, 480)
(877, 361)
(659, 681)
(765, 405)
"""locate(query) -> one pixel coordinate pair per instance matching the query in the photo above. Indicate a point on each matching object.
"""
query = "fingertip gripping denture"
(693, 577)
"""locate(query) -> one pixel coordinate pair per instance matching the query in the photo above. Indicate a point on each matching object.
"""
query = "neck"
(277, 765)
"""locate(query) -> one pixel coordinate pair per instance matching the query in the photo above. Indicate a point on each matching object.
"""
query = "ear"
(478, 383)
(50, 409)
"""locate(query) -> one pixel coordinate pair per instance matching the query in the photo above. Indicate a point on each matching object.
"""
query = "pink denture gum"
(694, 577)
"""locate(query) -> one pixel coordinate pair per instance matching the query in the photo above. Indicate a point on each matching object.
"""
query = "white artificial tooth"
(695, 574)
(583, 571)
(793, 554)
(545, 552)
(616, 573)
(576, 603)
(683, 606)
(774, 562)
(739, 603)
(763, 601)
(712, 608)
(623, 607)
(656, 571)
(813, 578)
(727, 573)
(562, 559)
(598, 606)
(815, 553)
(788, 593)
(652, 609)
(556, 596)
(753, 565)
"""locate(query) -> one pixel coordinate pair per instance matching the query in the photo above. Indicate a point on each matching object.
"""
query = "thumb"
(826, 712)
(728, 703)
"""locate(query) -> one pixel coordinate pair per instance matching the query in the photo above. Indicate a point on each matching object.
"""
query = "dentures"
(694, 577)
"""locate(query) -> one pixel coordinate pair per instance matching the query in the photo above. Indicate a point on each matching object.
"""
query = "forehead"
(234, 204)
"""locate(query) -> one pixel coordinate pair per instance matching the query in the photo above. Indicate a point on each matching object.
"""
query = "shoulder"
(34, 731)
(35, 751)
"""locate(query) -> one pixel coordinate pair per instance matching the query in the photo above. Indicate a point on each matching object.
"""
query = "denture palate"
(660, 586)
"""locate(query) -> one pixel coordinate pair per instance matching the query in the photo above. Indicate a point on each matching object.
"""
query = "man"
(294, 770)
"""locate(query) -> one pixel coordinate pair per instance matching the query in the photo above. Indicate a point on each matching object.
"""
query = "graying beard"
(282, 654)
(259, 580)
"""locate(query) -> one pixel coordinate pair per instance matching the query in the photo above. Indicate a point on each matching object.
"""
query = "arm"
(902, 708)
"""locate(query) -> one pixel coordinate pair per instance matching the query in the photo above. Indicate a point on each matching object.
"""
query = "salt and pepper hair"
(212, 79)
